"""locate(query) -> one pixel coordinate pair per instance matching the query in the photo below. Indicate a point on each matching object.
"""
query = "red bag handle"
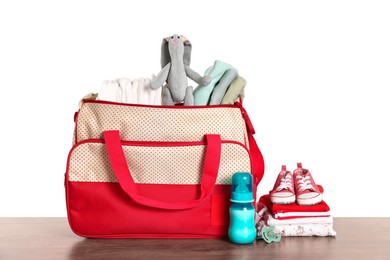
(122, 172)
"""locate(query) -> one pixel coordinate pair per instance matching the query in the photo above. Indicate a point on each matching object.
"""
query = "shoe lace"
(285, 183)
(304, 183)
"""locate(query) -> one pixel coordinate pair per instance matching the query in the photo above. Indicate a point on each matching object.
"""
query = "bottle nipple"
(242, 187)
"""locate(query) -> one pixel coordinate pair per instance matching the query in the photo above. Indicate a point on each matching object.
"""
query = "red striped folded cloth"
(294, 210)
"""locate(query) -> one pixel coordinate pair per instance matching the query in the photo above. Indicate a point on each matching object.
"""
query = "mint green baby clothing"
(202, 94)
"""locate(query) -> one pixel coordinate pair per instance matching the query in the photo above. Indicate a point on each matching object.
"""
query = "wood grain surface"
(51, 238)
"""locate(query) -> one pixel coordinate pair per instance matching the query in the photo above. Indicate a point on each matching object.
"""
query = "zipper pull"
(245, 115)
(75, 116)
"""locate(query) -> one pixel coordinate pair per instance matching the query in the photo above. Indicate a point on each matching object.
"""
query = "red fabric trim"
(75, 118)
(294, 217)
(257, 160)
(157, 143)
(158, 107)
(247, 120)
(170, 144)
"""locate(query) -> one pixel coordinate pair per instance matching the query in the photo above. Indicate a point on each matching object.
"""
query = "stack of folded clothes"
(296, 220)
(286, 209)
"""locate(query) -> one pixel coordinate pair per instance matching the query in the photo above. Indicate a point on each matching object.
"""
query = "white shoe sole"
(309, 201)
(283, 200)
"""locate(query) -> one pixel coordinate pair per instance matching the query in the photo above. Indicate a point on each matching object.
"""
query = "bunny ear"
(165, 57)
(187, 50)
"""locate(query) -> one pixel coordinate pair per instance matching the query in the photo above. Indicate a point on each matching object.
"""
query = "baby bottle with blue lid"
(242, 228)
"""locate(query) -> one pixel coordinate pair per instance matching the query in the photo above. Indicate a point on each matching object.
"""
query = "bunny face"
(176, 46)
(165, 52)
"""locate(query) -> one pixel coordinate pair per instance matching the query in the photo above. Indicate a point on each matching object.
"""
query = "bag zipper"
(157, 143)
(157, 106)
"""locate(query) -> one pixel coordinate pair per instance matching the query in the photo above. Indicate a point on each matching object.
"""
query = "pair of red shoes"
(298, 186)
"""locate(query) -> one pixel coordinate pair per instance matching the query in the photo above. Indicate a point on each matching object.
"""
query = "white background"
(317, 86)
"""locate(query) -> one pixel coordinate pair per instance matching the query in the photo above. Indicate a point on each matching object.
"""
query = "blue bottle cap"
(242, 186)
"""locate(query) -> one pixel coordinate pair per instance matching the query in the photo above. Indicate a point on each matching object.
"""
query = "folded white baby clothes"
(125, 86)
(135, 91)
(108, 91)
(306, 230)
(311, 226)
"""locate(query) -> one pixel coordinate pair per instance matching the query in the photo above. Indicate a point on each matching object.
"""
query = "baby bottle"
(242, 228)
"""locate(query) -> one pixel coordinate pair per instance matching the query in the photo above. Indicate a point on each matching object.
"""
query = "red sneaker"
(283, 191)
(306, 189)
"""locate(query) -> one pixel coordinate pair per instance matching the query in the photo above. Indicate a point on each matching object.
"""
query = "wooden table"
(51, 238)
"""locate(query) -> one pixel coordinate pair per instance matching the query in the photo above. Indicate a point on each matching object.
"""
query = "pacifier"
(269, 234)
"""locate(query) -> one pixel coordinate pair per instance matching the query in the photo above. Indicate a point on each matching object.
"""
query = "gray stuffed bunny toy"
(175, 61)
